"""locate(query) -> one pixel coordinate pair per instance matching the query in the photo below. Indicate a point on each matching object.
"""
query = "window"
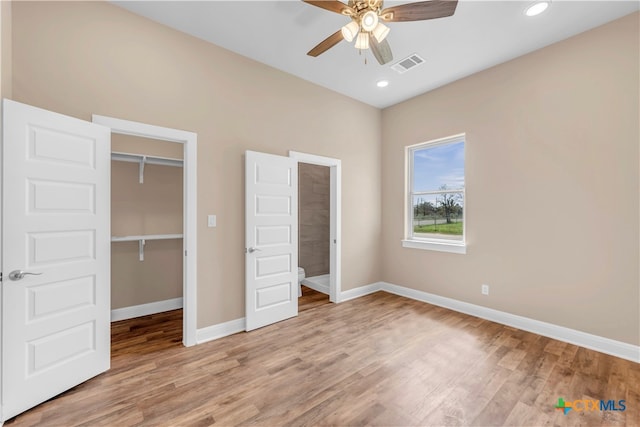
(435, 208)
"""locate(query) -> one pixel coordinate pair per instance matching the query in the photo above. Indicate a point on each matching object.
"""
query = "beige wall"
(81, 58)
(5, 49)
(157, 278)
(552, 157)
(314, 218)
(153, 207)
(552, 184)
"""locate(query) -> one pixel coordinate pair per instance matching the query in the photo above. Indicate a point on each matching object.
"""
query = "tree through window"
(436, 191)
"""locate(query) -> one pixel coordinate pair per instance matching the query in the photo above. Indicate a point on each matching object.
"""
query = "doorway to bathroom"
(313, 232)
(271, 234)
(319, 183)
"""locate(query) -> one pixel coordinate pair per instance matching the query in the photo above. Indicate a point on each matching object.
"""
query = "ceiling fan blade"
(332, 5)
(326, 44)
(419, 11)
(382, 50)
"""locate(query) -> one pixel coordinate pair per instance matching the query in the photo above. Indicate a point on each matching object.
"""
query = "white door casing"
(55, 220)
(271, 237)
(335, 217)
(189, 141)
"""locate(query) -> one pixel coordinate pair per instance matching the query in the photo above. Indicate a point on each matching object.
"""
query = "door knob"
(19, 274)
(252, 250)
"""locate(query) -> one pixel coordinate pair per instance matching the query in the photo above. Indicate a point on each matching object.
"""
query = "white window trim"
(433, 245)
(440, 245)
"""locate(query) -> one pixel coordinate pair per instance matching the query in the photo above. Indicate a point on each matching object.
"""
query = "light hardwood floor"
(377, 360)
(311, 299)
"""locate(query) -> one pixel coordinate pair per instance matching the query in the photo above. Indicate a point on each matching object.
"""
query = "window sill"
(430, 245)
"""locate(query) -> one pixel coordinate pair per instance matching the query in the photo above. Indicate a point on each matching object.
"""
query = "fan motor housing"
(365, 5)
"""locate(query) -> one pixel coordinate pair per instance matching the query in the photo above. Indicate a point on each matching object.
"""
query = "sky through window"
(436, 166)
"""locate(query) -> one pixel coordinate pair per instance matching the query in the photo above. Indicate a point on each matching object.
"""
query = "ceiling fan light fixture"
(380, 32)
(362, 42)
(537, 8)
(368, 14)
(369, 21)
(350, 30)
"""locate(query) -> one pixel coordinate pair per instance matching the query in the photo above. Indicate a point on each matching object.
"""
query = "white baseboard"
(145, 309)
(359, 292)
(572, 336)
(220, 330)
(231, 327)
(319, 287)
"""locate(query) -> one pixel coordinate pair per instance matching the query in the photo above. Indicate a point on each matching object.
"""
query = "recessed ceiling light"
(537, 8)
(382, 83)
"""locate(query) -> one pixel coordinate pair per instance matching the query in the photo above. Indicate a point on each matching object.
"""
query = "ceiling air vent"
(407, 63)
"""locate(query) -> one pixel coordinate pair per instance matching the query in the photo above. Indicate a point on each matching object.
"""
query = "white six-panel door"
(55, 220)
(271, 233)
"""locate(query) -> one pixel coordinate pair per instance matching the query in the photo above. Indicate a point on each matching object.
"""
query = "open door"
(271, 237)
(55, 254)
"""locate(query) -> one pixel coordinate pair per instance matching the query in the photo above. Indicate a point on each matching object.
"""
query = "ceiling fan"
(365, 25)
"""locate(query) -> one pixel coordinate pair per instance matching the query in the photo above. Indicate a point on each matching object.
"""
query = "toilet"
(300, 278)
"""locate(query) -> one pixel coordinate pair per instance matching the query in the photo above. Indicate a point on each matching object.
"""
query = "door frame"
(189, 141)
(335, 215)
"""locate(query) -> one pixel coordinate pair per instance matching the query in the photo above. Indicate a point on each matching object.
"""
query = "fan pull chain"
(365, 56)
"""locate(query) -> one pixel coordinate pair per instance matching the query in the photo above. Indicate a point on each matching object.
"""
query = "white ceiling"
(479, 35)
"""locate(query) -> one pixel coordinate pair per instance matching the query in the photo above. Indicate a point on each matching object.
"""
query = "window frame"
(425, 243)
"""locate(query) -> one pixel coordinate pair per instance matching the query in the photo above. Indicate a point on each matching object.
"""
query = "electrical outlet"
(211, 220)
(485, 290)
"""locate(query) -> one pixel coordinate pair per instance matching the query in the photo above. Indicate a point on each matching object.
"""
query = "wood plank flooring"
(311, 299)
(377, 360)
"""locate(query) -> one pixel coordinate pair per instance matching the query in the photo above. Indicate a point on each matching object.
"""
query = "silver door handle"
(19, 274)
(252, 250)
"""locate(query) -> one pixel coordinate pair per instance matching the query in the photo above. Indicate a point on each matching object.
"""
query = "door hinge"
(0, 276)
(185, 252)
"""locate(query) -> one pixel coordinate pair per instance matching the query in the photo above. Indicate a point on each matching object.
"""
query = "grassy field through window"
(453, 228)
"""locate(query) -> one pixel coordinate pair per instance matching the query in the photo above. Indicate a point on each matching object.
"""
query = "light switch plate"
(211, 220)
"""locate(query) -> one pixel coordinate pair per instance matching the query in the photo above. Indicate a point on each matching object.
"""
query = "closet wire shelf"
(142, 240)
(143, 159)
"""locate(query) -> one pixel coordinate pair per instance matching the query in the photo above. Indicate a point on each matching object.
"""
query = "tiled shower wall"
(314, 219)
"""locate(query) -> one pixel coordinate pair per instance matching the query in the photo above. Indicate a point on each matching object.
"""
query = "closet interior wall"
(152, 207)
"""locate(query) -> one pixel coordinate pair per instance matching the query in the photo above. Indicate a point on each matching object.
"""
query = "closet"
(146, 226)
